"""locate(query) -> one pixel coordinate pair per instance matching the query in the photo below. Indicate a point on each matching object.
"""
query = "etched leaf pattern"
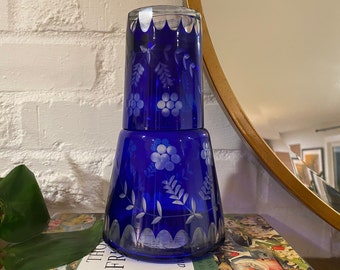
(206, 188)
(177, 193)
(142, 213)
(137, 72)
(162, 68)
(193, 213)
(132, 201)
(150, 171)
(124, 194)
(160, 214)
(164, 74)
(180, 197)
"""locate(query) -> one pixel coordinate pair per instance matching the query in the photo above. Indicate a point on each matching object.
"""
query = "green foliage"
(50, 250)
(23, 219)
(23, 210)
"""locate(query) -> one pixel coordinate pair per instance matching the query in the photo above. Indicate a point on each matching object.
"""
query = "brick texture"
(4, 15)
(70, 125)
(4, 129)
(43, 15)
(97, 15)
(32, 67)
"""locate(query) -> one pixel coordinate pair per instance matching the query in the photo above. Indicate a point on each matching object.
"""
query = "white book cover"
(103, 258)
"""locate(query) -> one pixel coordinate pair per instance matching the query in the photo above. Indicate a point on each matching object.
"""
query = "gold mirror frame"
(231, 107)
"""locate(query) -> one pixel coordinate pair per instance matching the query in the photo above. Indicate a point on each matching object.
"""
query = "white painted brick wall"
(70, 125)
(46, 67)
(3, 15)
(61, 92)
(62, 15)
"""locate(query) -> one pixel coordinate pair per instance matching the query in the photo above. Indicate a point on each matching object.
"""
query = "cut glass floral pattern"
(165, 157)
(135, 104)
(170, 104)
(206, 153)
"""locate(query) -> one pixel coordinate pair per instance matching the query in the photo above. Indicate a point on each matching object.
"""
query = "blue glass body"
(164, 200)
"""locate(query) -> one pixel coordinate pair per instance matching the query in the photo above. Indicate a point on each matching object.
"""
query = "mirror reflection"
(282, 59)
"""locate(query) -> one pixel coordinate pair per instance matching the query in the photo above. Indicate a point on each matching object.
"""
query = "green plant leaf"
(23, 213)
(50, 250)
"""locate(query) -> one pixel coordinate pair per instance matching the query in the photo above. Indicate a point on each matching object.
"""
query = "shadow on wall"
(240, 187)
(80, 191)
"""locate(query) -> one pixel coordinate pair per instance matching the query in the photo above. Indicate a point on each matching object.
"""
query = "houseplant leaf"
(23, 213)
(50, 250)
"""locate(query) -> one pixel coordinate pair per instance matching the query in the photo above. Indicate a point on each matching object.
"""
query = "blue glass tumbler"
(164, 200)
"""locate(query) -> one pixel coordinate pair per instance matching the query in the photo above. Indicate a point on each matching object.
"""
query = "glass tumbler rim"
(158, 15)
(161, 10)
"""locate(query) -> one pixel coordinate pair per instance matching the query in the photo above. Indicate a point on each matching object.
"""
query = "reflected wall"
(284, 86)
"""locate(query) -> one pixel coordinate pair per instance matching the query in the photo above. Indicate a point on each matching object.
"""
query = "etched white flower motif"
(165, 157)
(169, 104)
(206, 154)
(135, 104)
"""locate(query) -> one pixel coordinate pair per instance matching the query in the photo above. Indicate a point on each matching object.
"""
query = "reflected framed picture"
(320, 187)
(313, 158)
(302, 171)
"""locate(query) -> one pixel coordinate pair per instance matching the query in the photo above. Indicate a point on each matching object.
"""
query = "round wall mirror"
(275, 67)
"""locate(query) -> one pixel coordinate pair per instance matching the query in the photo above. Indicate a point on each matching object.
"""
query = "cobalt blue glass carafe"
(164, 200)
